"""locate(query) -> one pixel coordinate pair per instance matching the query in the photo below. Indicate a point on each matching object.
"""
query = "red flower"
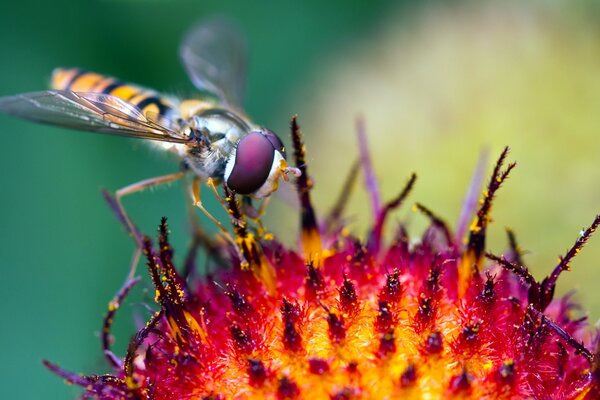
(346, 318)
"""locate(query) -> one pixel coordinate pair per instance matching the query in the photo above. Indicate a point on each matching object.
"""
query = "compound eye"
(252, 165)
(275, 141)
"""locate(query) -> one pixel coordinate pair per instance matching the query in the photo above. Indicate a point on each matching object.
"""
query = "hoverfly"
(213, 137)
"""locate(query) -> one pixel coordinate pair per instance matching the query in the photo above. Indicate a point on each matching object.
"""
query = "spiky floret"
(346, 318)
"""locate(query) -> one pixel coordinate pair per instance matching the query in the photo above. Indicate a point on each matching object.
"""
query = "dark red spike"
(385, 318)
(290, 311)
(523, 273)
(337, 329)
(237, 217)
(595, 386)
(562, 360)
(434, 343)
(488, 295)
(344, 394)
(387, 344)
(249, 250)
(287, 389)
(135, 343)
(549, 284)
(70, 377)
(476, 243)
(213, 396)
(154, 266)
(425, 313)
(409, 376)
(257, 373)
(175, 285)
(318, 366)
(113, 306)
(392, 290)
(292, 340)
(578, 347)
(470, 201)
(359, 255)
(433, 284)
(243, 340)
(470, 331)
(461, 383)
(374, 243)
(352, 367)
(396, 202)
(170, 302)
(506, 372)
(240, 304)
(165, 250)
(310, 230)
(516, 255)
(348, 299)
(437, 222)
(95, 384)
(426, 308)
(314, 282)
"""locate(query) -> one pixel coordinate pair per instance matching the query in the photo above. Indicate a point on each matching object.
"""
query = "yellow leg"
(211, 184)
(195, 192)
(198, 203)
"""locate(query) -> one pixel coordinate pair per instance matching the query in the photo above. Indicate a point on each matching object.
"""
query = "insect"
(214, 139)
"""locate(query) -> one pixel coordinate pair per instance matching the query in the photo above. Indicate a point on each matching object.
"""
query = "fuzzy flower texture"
(345, 318)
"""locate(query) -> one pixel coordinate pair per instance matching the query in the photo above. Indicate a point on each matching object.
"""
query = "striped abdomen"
(78, 80)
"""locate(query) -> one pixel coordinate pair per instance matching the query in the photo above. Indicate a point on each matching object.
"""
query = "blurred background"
(435, 83)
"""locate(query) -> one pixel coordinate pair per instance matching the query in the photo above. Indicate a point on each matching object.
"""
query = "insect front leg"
(195, 193)
(200, 239)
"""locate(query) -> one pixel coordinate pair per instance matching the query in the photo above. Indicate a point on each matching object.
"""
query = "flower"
(345, 318)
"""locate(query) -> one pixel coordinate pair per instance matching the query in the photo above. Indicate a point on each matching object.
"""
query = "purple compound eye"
(275, 141)
(252, 165)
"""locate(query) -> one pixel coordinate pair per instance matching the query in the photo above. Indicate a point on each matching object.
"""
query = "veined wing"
(214, 54)
(94, 112)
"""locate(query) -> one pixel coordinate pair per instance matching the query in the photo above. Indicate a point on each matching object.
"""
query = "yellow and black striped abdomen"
(78, 80)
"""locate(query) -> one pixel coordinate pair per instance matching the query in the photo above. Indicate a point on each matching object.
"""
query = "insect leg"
(134, 188)
(138, 187)
(200, 239)
(195, 192)
(198, 203)
(211, 184)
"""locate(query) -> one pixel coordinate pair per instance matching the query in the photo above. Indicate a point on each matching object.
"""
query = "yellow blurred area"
(438, 86)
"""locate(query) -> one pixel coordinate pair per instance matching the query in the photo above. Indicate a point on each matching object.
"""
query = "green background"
(64, 254)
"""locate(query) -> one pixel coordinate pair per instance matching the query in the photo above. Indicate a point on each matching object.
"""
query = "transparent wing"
(214, 54)
(94, 112)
